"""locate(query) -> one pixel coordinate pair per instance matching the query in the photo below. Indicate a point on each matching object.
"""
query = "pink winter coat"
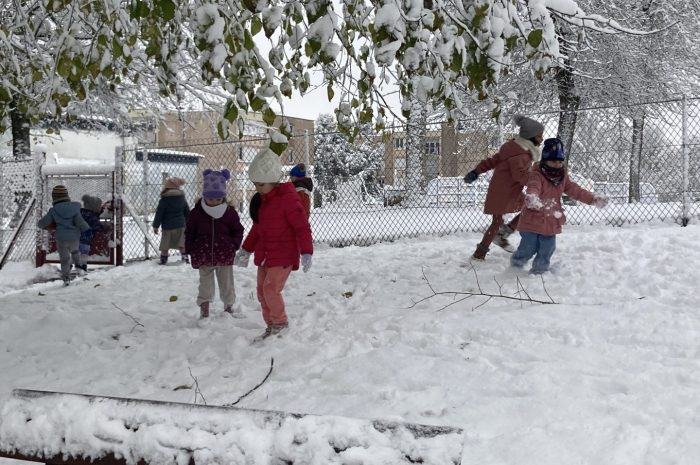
(548, 219)
(510, 166)
(282, 232)
(212, 242)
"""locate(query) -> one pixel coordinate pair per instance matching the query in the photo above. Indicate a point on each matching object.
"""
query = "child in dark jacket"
(212, 236)
(303, 185)
(171, 214)
(280, 234)
(543, 214)
(65, 216)
(92, 208)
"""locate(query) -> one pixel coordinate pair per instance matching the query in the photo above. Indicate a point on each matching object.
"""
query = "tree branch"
(272, 363)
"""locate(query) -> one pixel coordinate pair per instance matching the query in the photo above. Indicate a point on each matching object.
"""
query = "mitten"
(600, 201)
(533, 202)
(471, 176)
(306, 262)
(241, 259)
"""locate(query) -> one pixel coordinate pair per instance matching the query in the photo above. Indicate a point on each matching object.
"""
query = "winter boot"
(267, 333)
(204, 310)
(66, 280)
(185, 258)
(234, 310)
(480, 253)
(163, 259)
(83, 267)
(501, 239)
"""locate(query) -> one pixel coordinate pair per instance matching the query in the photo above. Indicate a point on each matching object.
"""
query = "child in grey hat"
(511, 168)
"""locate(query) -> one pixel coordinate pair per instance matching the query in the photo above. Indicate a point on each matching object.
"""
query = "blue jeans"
(534, 244)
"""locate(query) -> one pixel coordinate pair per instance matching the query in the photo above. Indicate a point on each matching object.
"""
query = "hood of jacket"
(67, 210)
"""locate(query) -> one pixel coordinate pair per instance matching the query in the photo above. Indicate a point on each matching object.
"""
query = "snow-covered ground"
(610, 374)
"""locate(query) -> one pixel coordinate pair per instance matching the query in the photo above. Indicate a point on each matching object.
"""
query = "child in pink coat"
(543, 215)
(280, 235)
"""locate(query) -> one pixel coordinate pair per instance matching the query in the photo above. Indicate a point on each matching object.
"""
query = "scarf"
(529, 146)
(553, 175)
(215, 212)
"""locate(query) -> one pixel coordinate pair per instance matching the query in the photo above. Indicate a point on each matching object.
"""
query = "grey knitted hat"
(529, 128)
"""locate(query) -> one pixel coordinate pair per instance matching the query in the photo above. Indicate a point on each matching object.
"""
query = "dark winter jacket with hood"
(172, 210)
(212, 241)
(66, 216)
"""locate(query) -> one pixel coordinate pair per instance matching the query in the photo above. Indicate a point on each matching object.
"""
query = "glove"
(600, 201)
(306, 262)
(471, 176)
(241, 259)
(533, 202)
(155, 231)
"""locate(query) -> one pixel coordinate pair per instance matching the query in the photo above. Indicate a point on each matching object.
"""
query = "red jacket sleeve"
(252, 239)
(577, 192)
(297, 218)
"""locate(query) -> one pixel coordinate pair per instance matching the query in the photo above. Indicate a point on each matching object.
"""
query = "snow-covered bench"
(75, 429)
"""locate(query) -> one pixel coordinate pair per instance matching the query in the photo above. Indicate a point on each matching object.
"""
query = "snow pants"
(271, 281)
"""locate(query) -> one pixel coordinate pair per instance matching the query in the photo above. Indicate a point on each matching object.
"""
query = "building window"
(432, 147)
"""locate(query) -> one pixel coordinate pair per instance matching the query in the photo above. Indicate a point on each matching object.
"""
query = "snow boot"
(480, 253)
(501, 239)
(267, 333)
(66, 281)
(234, 310)
(163, 259)
(204, 310)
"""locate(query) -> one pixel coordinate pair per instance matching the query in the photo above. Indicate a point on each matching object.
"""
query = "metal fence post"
(686, 164)
(40, 193)
(307, 148)
(118, 206)
(2, 205)
(146, 193)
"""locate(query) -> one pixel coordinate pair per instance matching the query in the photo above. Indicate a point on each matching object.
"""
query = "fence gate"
(99, 181)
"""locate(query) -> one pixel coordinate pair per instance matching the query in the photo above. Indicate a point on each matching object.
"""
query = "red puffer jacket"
(212, 242)
(282, 232)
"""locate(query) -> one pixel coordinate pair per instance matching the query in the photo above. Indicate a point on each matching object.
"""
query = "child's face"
(214, 202)
(264, 187)
(554, 163)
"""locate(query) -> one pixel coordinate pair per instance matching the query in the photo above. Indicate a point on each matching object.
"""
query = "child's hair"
(254, 207)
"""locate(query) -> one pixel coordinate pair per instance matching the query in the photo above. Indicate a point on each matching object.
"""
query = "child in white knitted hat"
(280, 235)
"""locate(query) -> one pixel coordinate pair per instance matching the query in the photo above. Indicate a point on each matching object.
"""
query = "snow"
(77, 169)
(608, 374)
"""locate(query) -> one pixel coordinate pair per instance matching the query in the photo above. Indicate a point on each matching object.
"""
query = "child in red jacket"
(280, 234)
(212, 235)
(543, 214)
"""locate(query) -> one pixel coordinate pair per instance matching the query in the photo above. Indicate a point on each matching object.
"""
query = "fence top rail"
(77, 169)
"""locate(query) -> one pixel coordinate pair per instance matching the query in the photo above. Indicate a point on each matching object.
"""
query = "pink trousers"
(271, 281)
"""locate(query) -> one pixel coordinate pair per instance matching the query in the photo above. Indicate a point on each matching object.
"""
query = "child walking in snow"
(303, 185)
(92, 208)
(171, 214)
(280, 234)
(543, 216)
(212, 236)
(65, 216)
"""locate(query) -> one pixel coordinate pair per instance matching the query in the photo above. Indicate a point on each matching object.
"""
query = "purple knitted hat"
(214, 186)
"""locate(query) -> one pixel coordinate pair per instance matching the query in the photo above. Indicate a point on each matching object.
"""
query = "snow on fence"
(650, 167)
(46, 426)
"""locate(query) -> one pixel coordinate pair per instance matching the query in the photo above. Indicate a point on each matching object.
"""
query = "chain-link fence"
(17, 184)
(379, 187)
(644, 157)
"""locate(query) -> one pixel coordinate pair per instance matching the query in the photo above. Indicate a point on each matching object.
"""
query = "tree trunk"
(20, 132)
(20, 150)
(569, 103)
(636, 155)
(415, 143)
